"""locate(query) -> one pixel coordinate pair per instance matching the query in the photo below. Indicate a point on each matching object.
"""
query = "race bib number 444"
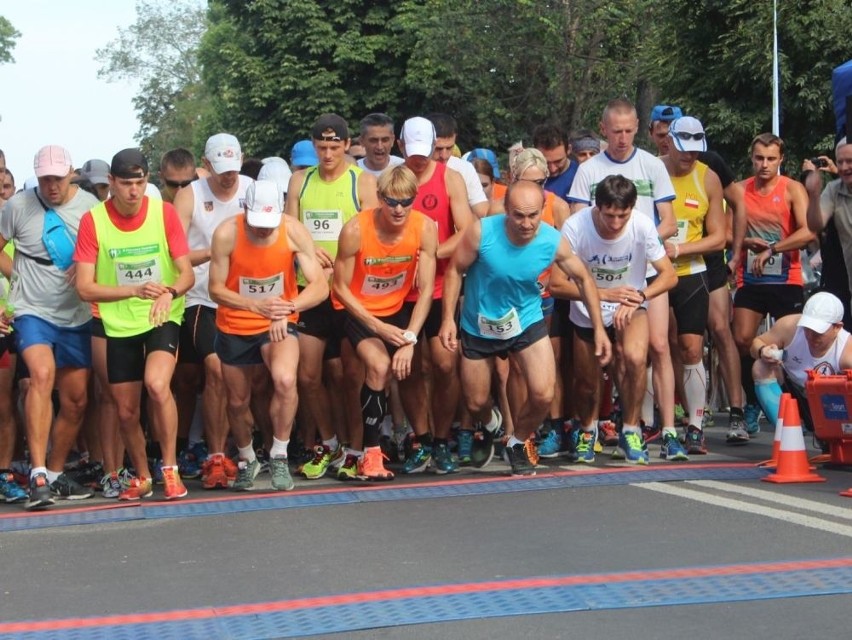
(324, 225)
(136, 273)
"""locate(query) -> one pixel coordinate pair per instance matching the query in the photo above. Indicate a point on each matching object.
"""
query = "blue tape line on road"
(350, 495)
(402, 607)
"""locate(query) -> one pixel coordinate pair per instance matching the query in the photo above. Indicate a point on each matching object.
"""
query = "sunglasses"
(180, 184)
(393, 203)
(686, 135)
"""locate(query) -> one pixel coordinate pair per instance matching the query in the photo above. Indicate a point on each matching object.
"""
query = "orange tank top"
(547, 218)
(257, 272)
(384, 273)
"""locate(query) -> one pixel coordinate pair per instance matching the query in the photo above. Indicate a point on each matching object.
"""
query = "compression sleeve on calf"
(769, 397)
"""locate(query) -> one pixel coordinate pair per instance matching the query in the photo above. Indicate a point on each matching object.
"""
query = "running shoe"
(111, 485)
(551, 444)
(173, 486)
(246, 473)
(607, 433)
(737, 432)
(708, 419)
(752, 419)
(516, 457)
(531, 448)
(317, 467)
(649, 432)
(67, 489)
(338, 457)
(349, 469)
(570, 436)
(632, 448)
(371, 465)
(10, 490)
(139, 488)
(671, 449)
(482, 450)
(442, 460)
(279, 468)
(156, 465)
(214, 475)
(87, 474)
(695, 441)
(585, 448)
(191, 460)
(418, 459)
(40, 494)
(465, 447)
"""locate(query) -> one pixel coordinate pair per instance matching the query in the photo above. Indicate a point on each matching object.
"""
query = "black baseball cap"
(129, 163)
(330, 127)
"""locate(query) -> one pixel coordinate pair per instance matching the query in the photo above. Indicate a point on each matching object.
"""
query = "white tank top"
(798, 358)
(208, 213)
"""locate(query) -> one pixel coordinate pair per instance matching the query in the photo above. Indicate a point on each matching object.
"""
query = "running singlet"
(434, 201)
(548, 218)
(324, 207)
(769, 217)
(208, 213)
(690, 208)
(612, 263)
(501, 298)
(133, 258)
(384, 274)
(257, 272)
(798, 358)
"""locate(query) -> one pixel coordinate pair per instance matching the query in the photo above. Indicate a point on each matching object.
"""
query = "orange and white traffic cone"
(847, 493)
(792, 457)
(772, 463)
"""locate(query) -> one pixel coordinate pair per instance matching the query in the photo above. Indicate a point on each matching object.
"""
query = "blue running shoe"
(752, 418)
(418, 460)
(465, 447)
(549, 447)
(442, 460)
(10, 490)
(671, 448)
(695, 441)
(585, 449)
(191, 459)
(632, 448)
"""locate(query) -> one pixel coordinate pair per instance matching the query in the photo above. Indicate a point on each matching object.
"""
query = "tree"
(715, 60)
(8, 36)
(160, 50)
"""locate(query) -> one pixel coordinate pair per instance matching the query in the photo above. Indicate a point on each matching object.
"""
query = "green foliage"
(715, 60)
(160, 50)
(8, 36)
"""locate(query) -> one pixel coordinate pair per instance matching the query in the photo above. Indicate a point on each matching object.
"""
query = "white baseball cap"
(264, 204)
(821, 312)
(223, 152)
(418, 136)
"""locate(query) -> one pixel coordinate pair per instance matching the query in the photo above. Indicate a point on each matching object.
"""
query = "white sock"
(52, 475)
(648, 400)
(247, 453)
(695, 388)
(331, 444)
(513, 441)
(36, 470)
(279, 448)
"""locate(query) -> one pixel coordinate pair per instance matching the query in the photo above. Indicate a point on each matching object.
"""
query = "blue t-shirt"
(501, 294)
(560, 185)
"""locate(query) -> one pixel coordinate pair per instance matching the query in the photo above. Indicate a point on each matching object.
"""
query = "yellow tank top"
(690, 208)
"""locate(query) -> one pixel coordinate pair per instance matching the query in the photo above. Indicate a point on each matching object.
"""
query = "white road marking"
(769, 496)
(671, 489)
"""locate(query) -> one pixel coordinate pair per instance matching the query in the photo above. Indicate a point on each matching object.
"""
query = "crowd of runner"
(358, 313)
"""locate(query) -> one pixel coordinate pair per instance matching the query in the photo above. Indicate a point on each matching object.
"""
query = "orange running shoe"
(214, 474)
(137, 489)
(174, 487)
(371, 465)
(231, 469)
(531, 449)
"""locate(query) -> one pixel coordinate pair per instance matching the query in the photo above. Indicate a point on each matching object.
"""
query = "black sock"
(425, 440)
(182, 444)
(439, 441)
(736, 411)
(373, 408)
(746, 363)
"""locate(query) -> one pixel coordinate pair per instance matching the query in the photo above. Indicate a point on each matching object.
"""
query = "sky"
(51, 93)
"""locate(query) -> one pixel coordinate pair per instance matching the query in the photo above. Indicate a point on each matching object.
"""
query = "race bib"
(608, 278)
(136, 273)
(378, 286)
(772, 267)
(324, 224)
(271, 287)
(509, 326)
(682, 227)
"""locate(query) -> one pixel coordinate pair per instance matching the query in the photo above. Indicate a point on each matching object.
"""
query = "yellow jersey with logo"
(690, 208)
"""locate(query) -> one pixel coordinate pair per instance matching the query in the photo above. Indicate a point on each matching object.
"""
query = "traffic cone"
(847, 493)
(772, 463)
(792, 457)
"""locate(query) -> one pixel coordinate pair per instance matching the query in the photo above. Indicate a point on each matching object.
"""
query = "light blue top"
(505, 278)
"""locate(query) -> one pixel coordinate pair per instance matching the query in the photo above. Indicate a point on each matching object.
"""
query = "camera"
(819, 162)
